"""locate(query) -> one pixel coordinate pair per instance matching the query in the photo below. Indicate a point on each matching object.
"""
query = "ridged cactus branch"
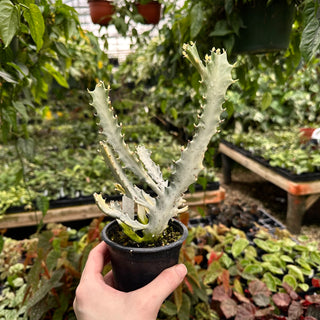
(154, 213)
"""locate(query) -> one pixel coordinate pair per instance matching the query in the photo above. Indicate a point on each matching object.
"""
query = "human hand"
(96, 299)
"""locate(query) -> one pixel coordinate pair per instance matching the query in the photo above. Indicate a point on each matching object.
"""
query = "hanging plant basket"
(151, 11)
(101, 11)
(267, 27)
(134, 267)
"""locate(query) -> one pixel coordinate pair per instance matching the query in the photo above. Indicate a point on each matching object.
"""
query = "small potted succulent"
(144, 222)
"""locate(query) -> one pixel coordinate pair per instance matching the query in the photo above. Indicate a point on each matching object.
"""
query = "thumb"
(165, 283)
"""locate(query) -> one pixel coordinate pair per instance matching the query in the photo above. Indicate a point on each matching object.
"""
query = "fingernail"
(181, 270)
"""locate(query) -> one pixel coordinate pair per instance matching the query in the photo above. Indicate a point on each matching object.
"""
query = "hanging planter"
(150, 11)
(134, 267)
(267, 26)
(101, 11)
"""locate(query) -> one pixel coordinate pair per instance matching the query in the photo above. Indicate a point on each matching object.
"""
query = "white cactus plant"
(139, 211)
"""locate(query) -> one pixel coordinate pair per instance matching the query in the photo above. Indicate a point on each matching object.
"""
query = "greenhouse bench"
(301, 195)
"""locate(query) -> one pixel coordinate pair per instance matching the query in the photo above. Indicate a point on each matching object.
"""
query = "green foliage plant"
(39, 275)
(262, 277)
(31, 36)
(281, 148)
(154, 213)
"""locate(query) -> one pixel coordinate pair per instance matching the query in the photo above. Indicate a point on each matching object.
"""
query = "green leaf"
(45, 288)
(315, 257)
(196, 20)
(267, 245)
(270, 281)
(9, 21)
(169, 308)
(296, 272)
(7, 77)
(36, 24)
(56, 75)
(253, 268)
(238, 246)
(290, 280)
(303, 286)
(221, 29)
(310, 38)
(266, 100)
(213, 272)
(286, 258)
(21, 108)
(184, 312)
(43, 204)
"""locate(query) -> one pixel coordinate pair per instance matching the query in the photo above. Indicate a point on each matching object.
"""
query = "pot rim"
(184, 234)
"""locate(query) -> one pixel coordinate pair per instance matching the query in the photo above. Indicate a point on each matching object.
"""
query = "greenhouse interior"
(161, 156)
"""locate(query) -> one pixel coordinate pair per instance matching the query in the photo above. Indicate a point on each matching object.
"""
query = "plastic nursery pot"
(150, 11)
(133, 268)
(267, 26)
(101, 11)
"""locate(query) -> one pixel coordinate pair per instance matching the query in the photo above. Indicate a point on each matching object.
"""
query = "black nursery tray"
(249, 221)
(84, 200)
(304, 177)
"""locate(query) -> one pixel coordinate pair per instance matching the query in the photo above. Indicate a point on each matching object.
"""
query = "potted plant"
(144, 220)
(101, 11)
(266, 26)
(150, 11)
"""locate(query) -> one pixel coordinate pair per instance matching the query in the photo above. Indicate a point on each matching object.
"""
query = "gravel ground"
(249, 188)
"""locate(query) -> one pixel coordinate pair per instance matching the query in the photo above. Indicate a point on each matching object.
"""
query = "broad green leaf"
(267, 245)
(270, 267)
(226, 261)
(184, 312)
(238, 246)
(286, 258)
(315, 257)
(310, 38)
(9, 21)
(237, 286)
(296, 272)
(56, 75)
(253, 268)
(36, 24)
(43, 204)
(7, 77)
(169, 308)
(21, 108)
(266, 100)
(269, 280)
(45, 288)
(196, 20)
(213, 272)
(290, 280)
(221, 29)
(304, 264)
(250, 252)
(303, 286)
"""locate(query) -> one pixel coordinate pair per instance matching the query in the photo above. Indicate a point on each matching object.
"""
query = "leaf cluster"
(42, 48)
(285, 149)
(262, 277)
(39, 275)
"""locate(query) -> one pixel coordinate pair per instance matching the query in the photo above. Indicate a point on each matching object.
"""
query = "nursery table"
(301, 195)
(90, 211)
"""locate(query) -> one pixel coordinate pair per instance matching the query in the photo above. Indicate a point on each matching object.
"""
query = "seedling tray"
(304, 177)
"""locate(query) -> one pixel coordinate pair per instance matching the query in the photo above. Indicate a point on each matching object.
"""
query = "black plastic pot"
(267, 26)
(133, 268)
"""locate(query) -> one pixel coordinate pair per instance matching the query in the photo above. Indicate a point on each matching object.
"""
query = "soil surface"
(250, 189)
